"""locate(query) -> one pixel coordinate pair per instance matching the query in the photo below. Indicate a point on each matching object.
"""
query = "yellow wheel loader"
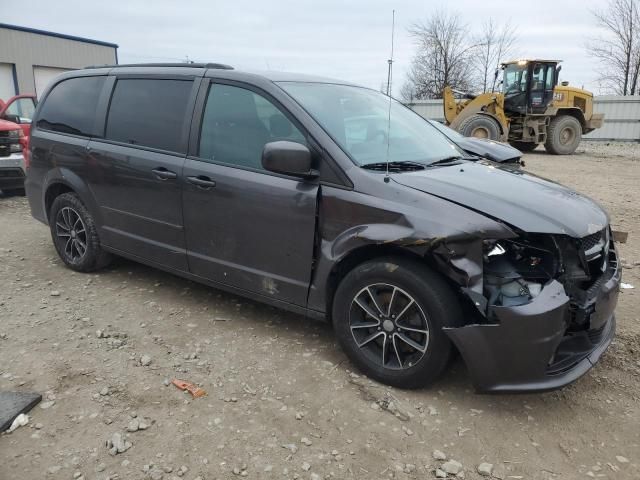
(531, 109)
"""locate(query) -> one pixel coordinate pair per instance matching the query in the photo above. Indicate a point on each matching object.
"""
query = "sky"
(349, 40)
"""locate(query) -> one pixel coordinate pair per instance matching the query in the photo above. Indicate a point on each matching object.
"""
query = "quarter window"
(71, 106)
(149, 112)
(237, 123)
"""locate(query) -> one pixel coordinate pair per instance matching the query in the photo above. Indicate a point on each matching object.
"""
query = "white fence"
(621, 116)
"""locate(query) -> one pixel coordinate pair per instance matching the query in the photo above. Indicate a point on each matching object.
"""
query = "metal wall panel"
(621, 116)
(28, 50)
(7, 84)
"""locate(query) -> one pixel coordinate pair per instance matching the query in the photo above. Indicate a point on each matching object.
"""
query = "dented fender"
(453, 241)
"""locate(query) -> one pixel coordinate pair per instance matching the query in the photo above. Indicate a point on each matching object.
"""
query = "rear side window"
(71, 106)
(149, 112)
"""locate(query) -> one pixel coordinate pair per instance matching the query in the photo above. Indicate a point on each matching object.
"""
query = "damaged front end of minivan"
(538, 307)
(543, 303)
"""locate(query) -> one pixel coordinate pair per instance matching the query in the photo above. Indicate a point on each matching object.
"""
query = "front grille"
(4, 133)
(590, 241)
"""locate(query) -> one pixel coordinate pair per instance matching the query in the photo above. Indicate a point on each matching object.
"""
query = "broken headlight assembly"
(516, 270)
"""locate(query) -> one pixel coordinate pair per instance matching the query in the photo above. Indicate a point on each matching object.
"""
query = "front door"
(20, 109)
(135, 171)
(542, 84)
(246, 227)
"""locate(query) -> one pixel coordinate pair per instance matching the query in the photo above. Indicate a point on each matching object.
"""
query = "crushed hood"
(525, 201)
(495, 151)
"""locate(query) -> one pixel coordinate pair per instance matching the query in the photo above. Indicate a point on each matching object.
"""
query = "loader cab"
(528, 85)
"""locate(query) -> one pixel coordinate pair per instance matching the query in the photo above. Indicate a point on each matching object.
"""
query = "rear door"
(247, 227)
(135, 170)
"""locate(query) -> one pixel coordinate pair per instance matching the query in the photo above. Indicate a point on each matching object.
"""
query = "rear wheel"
(75, 236)
(480, 126)
(388, 315)
(563, 135)
(524, 146)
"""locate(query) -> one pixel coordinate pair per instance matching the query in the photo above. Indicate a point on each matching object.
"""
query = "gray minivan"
(333, 201)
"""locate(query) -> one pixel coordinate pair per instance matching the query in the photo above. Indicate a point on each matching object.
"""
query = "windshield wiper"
(403, 166)
(453, 159)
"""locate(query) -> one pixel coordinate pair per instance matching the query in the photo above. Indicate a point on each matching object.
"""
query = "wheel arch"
(62, 180)
(573, 112)
(356, 257)
(365, 253)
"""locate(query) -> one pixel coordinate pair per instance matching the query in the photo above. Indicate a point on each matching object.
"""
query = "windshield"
(449, 132)
(357, 119)
(514, 79)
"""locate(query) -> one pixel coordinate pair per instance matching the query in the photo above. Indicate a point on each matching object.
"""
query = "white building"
(30, 58)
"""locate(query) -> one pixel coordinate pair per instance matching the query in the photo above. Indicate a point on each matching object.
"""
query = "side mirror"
(289, 158)
(12, 118)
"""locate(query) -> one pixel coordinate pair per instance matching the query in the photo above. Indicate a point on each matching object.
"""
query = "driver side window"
(237, 123)
(22, 108)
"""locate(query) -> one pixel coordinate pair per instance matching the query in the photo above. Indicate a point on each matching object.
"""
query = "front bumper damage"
(531, 347)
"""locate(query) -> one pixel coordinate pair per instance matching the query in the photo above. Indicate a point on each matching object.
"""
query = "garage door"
(43, 75)
(7, 87)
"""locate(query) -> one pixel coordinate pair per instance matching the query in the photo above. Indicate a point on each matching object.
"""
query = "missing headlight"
(515, 271)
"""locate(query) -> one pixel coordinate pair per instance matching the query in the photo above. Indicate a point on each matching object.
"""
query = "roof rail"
(219, 66)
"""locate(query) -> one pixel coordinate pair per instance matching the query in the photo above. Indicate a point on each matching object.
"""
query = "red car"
(15, 126)
(19, 109)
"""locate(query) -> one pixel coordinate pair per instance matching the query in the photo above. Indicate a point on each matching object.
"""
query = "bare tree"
(619, 49)
(443, 58)
(495, 43)
(407, 92)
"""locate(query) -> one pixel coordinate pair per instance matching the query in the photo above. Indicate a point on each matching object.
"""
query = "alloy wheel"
(388, 326)
(71, 234)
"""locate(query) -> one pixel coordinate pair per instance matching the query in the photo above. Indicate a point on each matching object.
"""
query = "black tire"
(563, 135)
(524, 146)
(480, 126)
(72, 226)
(14, 192)
(433, 298)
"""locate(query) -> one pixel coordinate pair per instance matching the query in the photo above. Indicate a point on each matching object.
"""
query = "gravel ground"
(282, 400)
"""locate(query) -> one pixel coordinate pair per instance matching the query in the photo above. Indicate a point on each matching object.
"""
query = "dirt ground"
(282, 399)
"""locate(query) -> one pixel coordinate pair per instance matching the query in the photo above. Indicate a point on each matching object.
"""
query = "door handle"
(202, 181)
(164, 174)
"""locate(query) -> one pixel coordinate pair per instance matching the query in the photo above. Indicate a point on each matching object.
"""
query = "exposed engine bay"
(516, 270)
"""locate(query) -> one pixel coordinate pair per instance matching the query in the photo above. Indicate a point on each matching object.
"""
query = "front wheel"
(388, 315)
(480, 126)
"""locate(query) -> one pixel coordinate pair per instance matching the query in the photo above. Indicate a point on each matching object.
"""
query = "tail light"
(24, 141)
